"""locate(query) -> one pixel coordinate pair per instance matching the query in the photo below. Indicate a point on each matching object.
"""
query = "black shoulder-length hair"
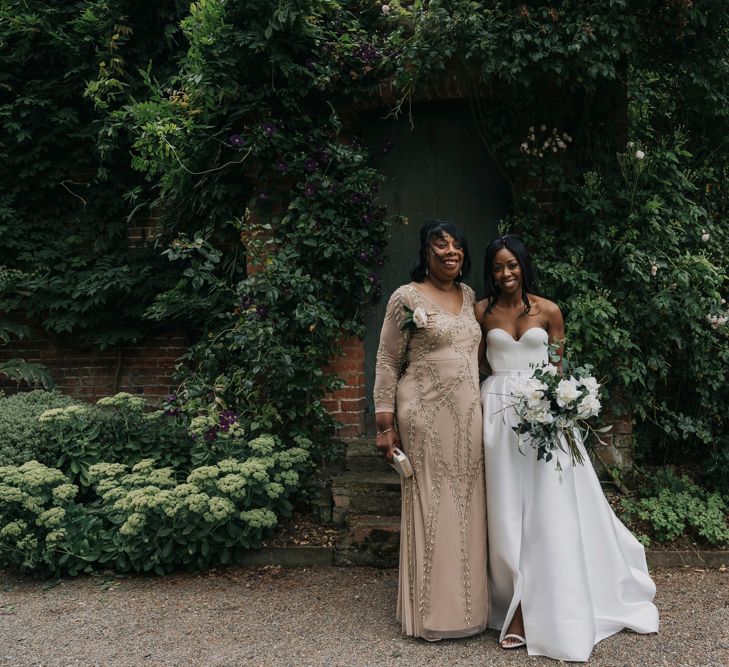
(434, 229)
(528, 274)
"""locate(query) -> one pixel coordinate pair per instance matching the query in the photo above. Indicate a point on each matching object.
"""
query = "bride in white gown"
(563, 571)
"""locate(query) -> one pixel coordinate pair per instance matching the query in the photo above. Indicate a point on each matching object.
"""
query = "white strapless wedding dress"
(555, 544)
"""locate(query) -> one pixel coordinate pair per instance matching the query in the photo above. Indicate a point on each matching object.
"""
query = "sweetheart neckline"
(517, 340)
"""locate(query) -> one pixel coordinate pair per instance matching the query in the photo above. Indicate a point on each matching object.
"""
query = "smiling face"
(506, 272)
(445, 257)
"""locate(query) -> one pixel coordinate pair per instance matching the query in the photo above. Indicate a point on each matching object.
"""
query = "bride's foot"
(514, 637)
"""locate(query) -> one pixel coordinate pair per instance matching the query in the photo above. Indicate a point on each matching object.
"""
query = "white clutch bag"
(401, 463)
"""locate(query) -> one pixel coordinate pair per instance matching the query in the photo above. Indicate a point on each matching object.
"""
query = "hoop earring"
(460, 273)
(426, 270)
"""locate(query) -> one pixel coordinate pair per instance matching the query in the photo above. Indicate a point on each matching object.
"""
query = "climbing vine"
(241, 121)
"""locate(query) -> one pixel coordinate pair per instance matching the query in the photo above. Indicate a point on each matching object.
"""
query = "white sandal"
(519, 644)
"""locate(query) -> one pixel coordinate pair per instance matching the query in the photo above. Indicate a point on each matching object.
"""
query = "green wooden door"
(437, 169)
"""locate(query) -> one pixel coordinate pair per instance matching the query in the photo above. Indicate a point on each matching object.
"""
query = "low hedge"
(141, 518)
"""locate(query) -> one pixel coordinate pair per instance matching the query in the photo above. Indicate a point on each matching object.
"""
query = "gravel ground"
(328, 616)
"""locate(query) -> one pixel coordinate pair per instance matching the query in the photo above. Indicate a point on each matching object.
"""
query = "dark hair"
(528, 274)
(434, 229)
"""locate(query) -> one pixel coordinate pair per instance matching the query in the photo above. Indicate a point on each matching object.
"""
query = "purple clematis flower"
(269, 129)
(236, 140)
(282, 166)
(310, 165)
(310, 190)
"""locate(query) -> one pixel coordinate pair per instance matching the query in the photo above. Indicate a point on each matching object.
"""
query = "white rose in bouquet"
(588, 407)
(567, 392)
(539, 413)
(591, 384)
(533, 391)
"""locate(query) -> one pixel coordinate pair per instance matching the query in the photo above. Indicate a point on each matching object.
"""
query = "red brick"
(339, 365)
(353, 405)
(330, 404)
(349, 417)
(622, 426)
(350, 392)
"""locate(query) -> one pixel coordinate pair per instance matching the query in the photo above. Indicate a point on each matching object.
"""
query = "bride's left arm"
(555, 327)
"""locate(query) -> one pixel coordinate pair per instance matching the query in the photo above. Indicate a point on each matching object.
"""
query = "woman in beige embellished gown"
(428, 403)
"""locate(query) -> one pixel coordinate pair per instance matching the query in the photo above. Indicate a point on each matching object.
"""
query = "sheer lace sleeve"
(391, 352)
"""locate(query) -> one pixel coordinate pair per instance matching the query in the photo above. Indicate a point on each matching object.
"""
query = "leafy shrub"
(118, 429)
(21, 439)
(41, 527)
(143, 519)
(220, 511)
(675, 506)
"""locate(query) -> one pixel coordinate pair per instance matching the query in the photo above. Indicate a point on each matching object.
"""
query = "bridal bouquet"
(553, 410)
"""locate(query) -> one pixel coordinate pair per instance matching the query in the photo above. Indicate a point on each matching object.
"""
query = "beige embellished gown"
(429, 378)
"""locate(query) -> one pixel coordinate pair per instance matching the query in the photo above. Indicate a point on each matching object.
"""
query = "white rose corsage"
(414, 319)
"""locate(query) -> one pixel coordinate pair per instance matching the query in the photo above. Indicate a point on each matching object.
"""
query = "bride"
(563, 571)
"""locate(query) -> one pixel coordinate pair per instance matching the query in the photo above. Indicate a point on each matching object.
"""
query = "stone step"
(362, 455)
(365, 492)
(372, 540)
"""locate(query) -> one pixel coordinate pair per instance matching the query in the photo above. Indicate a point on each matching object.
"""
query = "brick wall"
(144, 369)
(348, 404)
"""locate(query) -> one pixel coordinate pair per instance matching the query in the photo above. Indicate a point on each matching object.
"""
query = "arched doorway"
(438, 168)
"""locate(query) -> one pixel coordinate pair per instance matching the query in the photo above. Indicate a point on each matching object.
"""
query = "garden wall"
(87, 373)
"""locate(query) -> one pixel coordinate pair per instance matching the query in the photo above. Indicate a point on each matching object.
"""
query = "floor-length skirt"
(556, 547)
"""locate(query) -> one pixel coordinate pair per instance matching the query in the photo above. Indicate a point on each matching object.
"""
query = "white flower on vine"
(705, 236)
(654, 270)
(639, 154)
(543, 128)
(631, 144)
(524, 147)
(385, 9)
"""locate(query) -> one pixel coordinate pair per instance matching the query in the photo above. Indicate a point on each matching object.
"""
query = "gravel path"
(327, 616)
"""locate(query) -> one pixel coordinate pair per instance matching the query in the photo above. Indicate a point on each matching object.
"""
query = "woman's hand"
(386, 442)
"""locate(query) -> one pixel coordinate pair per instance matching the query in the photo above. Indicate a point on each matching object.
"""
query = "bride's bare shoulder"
(545, 305)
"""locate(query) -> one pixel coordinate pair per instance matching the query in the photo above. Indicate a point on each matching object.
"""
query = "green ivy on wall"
(241, 122)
